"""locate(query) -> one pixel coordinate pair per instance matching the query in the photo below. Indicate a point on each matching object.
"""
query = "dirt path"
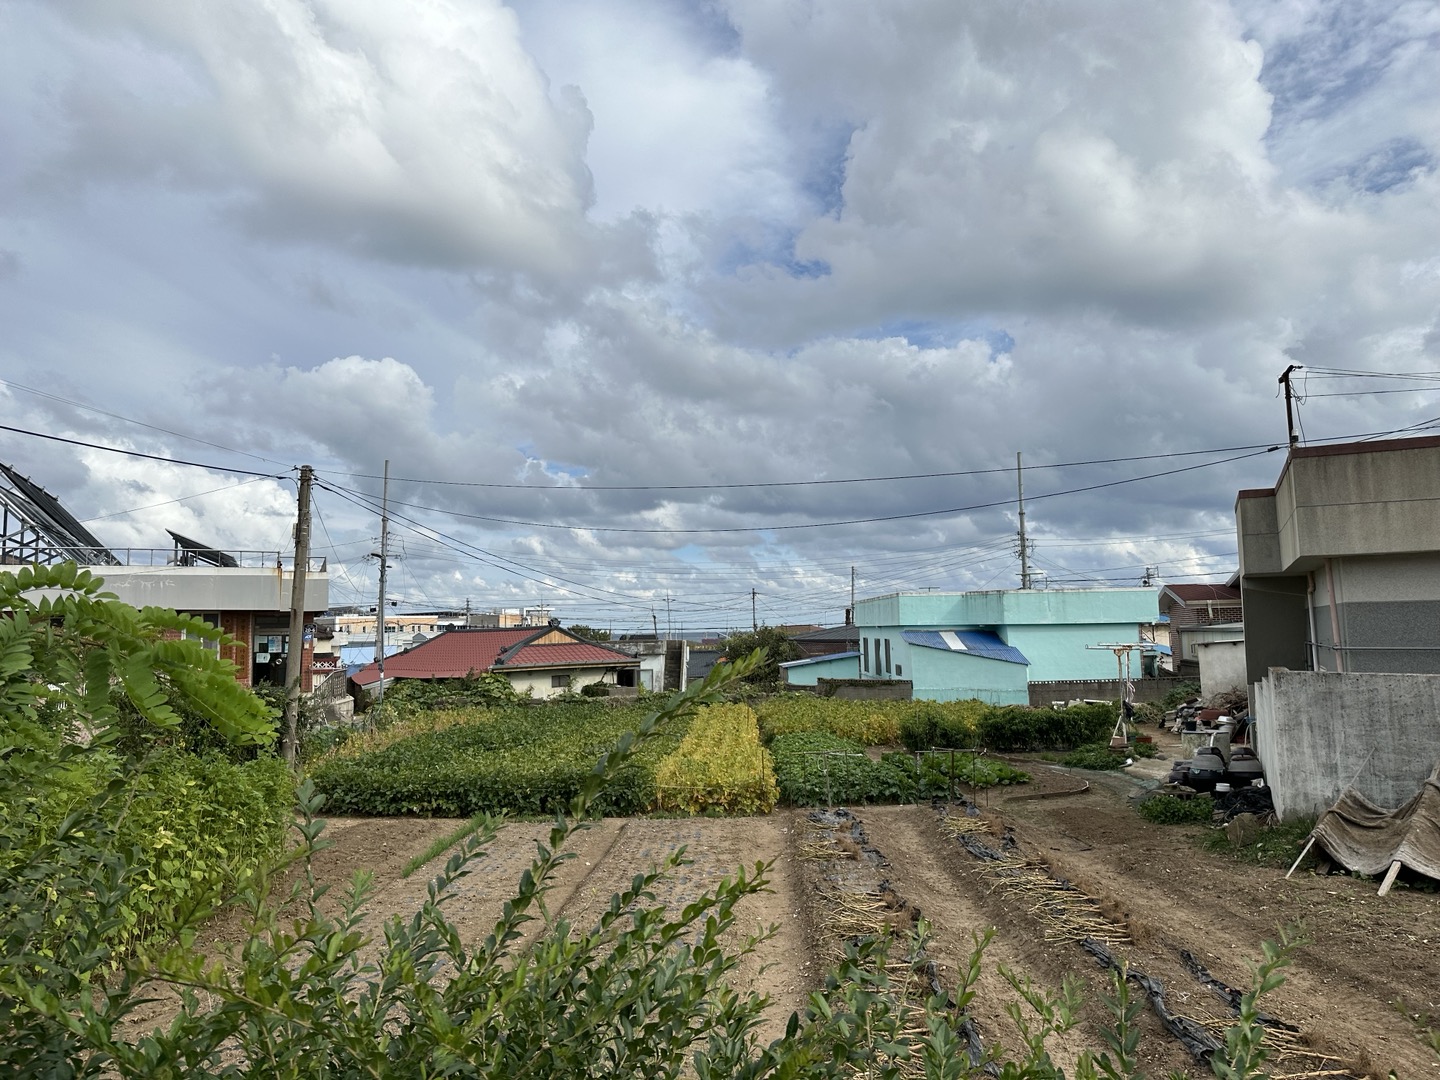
(1354, 992)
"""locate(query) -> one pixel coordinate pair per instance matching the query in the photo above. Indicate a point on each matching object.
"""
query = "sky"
(670, 313)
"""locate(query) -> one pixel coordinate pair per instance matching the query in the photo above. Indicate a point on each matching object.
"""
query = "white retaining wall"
(1321, 731)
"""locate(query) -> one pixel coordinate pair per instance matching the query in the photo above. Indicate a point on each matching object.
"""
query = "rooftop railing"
(156, 557)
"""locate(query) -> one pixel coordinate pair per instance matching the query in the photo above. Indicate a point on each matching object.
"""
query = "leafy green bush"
(472, 692)
(525, 759)
(1179, 695)
(1016, 728)
(929, 725)
(1144, 749)
(1169, 810)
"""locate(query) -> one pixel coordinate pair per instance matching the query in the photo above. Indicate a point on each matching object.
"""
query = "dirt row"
(1356, 994)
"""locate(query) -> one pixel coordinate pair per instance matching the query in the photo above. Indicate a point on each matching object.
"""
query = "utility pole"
(754, 622)
(384, 565)
(851, 620)
(295, 652)
(1024, 543)
(667, 619)
(1289, 406)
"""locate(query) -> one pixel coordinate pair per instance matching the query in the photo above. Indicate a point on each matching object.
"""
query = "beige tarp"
(1366, 838)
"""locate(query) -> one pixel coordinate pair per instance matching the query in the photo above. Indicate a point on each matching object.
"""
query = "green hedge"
(1019, 728)
(925, 725)
(518, 760)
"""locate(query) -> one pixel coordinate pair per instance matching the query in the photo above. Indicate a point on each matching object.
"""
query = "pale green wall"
(847, 667)
(1052, 627)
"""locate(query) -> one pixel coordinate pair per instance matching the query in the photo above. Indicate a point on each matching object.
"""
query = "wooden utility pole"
(384, 565)
(1024, 543)
(754, 622)
(295, 651)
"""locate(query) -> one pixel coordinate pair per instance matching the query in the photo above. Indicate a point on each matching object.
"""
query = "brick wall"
(1206, 616)
(238, 625)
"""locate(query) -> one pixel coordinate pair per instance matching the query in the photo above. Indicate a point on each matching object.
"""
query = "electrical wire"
(830, 524)
(182, 498)
(130, 420)
(133, 453)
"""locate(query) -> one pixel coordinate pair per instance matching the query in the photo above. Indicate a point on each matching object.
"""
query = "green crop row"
(819, 769)
(523, 759)
(925, 725)
(870, 723)
(720, 765)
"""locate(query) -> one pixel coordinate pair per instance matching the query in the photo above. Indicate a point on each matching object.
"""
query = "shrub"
(1179, 695)
(1169, 810)
(485, 689)
(720, 765)
(930, 725)
(1015, 728)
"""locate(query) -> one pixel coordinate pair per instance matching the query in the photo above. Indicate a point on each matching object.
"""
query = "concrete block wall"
(1318, 732)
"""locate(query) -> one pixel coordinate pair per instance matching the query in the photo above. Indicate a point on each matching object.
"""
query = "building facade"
(1340, 560)
(991, 645)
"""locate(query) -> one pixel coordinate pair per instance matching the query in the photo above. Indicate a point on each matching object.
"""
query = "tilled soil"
(1352, 994)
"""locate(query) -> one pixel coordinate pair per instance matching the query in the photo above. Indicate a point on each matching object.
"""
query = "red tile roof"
(577, 654)
(458, 653)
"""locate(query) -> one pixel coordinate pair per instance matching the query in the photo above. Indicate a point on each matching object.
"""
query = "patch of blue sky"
(774, 247)
(556, 469)
(1340, 55)
(1389, 165)
(931, 334)
(824, 177)
(710, 23)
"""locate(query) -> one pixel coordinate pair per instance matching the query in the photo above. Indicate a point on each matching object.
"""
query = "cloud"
(593, 250)
(416, 135)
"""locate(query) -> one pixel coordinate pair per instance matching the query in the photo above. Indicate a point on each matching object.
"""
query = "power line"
(130, 420)
(801, 483)
(134, 453)
(831, 524)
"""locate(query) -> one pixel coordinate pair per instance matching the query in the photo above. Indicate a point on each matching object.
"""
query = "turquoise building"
(992, 645)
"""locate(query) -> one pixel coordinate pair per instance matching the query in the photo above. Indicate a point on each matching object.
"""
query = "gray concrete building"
(1340, 560)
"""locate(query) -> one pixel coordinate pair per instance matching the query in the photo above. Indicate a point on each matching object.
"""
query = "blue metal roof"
(974, 642)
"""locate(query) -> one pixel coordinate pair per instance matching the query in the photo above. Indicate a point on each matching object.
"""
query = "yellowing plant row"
(719, 765)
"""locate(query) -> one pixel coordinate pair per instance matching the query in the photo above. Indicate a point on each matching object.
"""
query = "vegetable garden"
(795, 749)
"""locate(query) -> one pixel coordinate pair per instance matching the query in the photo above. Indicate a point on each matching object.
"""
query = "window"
(211, 617)
(899, 670)
(865, 654)
(559, 682)
(888, 669)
